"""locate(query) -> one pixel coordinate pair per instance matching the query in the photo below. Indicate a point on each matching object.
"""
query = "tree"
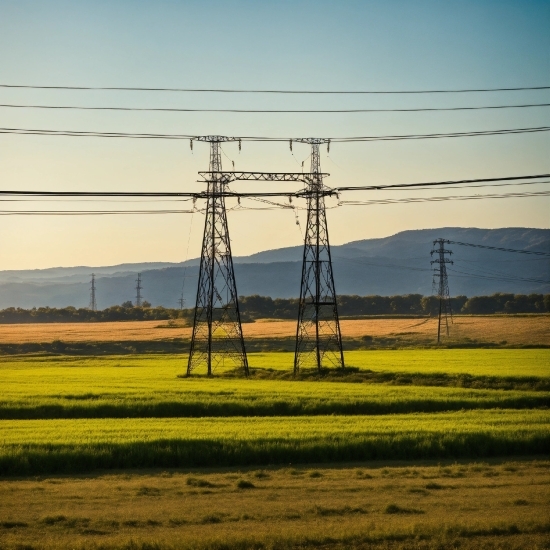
(128, 303)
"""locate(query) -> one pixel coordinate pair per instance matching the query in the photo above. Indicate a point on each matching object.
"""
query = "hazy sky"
(342, 45)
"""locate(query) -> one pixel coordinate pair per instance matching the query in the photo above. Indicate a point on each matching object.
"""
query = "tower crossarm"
(226, 177)
(215, 139)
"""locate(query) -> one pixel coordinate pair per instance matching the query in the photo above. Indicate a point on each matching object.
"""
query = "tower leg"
(217, 339)
(318, 336)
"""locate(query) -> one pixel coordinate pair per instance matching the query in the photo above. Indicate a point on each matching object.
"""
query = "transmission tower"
(93, 303)
(217, 333)
(441, 279)
(139, 288)
(318, 336)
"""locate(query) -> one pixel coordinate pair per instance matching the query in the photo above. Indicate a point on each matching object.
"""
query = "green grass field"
(122, 452)
(42, 388)
(48, 446)
(74, 414)
(476, 362)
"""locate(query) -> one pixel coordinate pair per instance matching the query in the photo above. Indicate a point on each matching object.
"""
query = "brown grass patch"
(339, 506)
(502, 330)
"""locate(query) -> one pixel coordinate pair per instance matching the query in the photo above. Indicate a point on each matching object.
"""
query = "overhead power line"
(179, 195)
(502, 278)
(501, 249)
(254, 195)
(255, 91)
(353, 139)
(448, 198)
(318, 111)
(437, 183)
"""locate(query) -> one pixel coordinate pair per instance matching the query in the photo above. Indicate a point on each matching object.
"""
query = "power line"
(250, 195)
(147, 200)
(501, 249)
(198, 195)
(81, 133)
(438, 199)
(87, 212)
(436, 183)
(256, 91)
(503, 278)
(181, 110)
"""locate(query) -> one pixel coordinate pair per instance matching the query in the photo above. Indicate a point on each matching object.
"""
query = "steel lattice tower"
(139, 288)
(217, 333)
(93, 303)
(318, 336)
(440, 273)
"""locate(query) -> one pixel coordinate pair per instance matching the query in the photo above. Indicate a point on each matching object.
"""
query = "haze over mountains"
(399, 264)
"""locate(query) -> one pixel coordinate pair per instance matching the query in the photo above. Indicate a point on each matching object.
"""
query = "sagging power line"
(351, 139)
(270, 111)
(259, 91)
(534, 252)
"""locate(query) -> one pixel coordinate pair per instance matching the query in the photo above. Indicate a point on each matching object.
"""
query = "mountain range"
(398, 264)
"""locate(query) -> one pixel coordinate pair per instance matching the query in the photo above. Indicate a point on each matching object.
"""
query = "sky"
(293, 45)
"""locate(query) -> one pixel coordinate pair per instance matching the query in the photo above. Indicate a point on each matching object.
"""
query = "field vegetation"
(383, 383)
(147, 459)
(60, 446)
(171, 336)
(136, 411)
(487, 505)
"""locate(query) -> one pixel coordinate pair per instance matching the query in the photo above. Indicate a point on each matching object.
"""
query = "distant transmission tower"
(93, 303)
(217, 332)
(440, 277)
(139, 288)
(318, 336)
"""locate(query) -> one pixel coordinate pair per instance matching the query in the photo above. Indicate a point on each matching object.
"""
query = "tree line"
(408, 304)
(258, 307)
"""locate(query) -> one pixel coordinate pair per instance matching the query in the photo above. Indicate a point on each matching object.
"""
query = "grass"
(367, 333)
(68, 415)
(49, 446)
(475, 362)
(142, 386)
(337, 510)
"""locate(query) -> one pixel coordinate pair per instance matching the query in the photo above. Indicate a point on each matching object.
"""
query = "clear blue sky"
(392, 45)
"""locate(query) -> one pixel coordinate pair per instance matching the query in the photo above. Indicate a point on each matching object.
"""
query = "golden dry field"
(510, 330)
(486, 505)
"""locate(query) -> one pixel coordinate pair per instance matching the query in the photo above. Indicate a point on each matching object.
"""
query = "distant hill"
(398, 264)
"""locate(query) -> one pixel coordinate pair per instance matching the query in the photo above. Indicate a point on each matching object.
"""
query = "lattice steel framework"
(318, 336)
(93, 303)
(217, 338)
(440, 278)
(139, 288)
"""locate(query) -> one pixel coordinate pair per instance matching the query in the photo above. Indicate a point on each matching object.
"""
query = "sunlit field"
(485, 505)
(65, 446)
(126, 452)
(145, 386)
(498, 330)
(475, 362)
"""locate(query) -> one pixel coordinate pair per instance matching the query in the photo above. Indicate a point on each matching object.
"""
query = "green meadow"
(67, 414)
(62, 446)
(144, 386)
(422, 449)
